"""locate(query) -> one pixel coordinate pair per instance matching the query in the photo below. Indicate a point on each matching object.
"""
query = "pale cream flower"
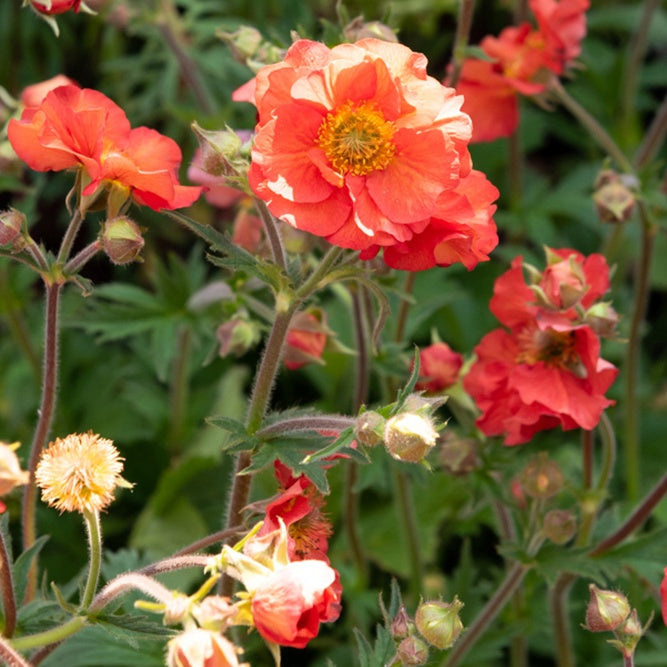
(79, 473)
(11, 474)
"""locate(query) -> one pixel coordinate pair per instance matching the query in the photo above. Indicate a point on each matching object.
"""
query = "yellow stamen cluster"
(357, 139)
(79, 473)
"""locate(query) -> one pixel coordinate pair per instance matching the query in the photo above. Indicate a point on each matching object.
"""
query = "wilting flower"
(289, 604)
(518, 61)
(299, 507)
(358, 145)
(81, 128)
(202, 648)
(306, 339)
(79, 473)
(439, 367)
(11, 474)
(545, 368)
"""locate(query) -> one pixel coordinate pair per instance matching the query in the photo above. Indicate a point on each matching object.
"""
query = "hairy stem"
(653, 139)
(7, 590)
(272, 234)
(92, 520)
(51, 635)
(69, 237)
(464, 21)
(124, 583)
(10, 657)
(46, 410)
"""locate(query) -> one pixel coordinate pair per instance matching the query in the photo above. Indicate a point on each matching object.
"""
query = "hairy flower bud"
(614, 199)
(222, 152)
(237, 336)
(412, 651)
(559, 526)
(409, 436)
(402, 625)
(369, 428)
(606, 610)
(602, 318)
(439, 623)
(122, 240)
(542, 477)
(12, 224)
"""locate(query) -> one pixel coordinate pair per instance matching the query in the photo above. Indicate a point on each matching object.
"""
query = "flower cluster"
(358, 145)
(518, 61)
(545, 368)
(83, 129)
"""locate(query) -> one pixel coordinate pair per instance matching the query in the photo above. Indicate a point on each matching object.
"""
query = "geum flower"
(545, 368)
(439, 367)
(358, 145)
(519, 60)
(55, 6)
(82, 128)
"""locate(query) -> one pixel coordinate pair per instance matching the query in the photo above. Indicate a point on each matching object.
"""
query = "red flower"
(439, 367)
(299, 506)
(289, 604)
(202, 648)
(306, 339)
(358, 145)
(663, 595)
(546, 368)
(79, 127)
(55, 6)
(519, 58)
(32, 96)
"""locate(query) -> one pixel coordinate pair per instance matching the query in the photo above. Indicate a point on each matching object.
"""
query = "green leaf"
(410, 384)
(22, 565)
(238, 439)
(378, 655)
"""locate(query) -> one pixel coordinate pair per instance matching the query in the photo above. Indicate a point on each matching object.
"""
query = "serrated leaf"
(238, 439)
(132, 624)
(382, 651)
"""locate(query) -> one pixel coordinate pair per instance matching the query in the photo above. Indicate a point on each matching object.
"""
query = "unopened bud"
(12, 224)
(439, 623)
(602, 318)
(458, 455)
(237, 336)
(122, 240)
(606, 610)
(222, 152)
(559, 526)
(358, 29)
(412, 651)
(409, 436)
(542, 477)
(614, 199)
(369, 428)
(215, 613)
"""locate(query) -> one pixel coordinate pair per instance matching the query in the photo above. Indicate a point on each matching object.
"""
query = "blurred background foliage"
(139, 356)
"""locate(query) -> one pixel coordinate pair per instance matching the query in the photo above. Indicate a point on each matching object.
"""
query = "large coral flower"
(358, 145)
(545, 368)
(290, 603)
(76, 127)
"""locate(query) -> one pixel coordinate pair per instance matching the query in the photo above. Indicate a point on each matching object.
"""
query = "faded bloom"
(545, 368)
(290, 603)
(357, 144)
(79, 473)
(439, 367)
(202, 648)
(11, 474)
(81, 128)
(12, 224)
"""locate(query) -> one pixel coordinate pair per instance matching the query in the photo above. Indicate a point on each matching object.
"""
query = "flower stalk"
(94, 533)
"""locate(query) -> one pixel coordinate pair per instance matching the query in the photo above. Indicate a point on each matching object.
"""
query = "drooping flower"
(289, 604)
(81, 128)
(439, 367)
(518, 61)
(11, 474)
(202, 648)
(79, 473)
(545, 369)
(306, 339)
(358, 145)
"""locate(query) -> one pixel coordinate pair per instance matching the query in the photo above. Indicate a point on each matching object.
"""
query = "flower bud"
(369, 428)
(614, 199)
(606, 610)
(412, 651)
(458, 455)
(55, 6)
(122, 240)
(409, 436)
(559, 526)
(439, 623)
(222, 152)
(12, 224)
(237, 336)
(602, 318)
(215, 613)
(358, 29)
(542, 477)
(402, 625)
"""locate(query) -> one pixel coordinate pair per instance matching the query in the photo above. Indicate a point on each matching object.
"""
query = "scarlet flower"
(289, 604)
(299, 507)
(79, 127)
(519, 58)
(545, 368)
(663, 595)
(55, 6)
(358, 145)
(439, 367)
(306, 339)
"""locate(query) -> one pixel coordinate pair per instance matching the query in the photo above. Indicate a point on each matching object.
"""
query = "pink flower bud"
(122, 240)
(606, 611)
(412, 651)
(12, 224)
(402, 625)
(55, 6)
(559, 526)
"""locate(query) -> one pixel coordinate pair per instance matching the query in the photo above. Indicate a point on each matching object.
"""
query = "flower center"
(554, 348)
(356, 138)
